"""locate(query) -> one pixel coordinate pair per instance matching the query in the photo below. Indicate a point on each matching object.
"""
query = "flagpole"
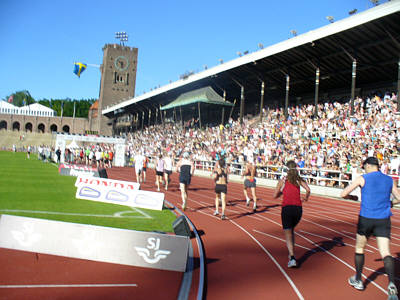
(74, 110)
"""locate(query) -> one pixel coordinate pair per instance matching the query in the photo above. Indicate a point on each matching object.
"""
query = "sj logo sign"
(152, 253)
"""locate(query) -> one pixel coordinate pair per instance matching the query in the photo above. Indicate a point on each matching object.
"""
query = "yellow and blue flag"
(79, 68)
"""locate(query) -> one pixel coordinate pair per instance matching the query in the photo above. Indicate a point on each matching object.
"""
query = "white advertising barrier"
(117, 192)
(97, 243)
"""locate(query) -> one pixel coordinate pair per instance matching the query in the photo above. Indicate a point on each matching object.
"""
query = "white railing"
(315, 176)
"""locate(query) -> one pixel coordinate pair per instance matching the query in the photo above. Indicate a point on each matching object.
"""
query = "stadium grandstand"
(349, 58)
(317, 93)
(326, 99)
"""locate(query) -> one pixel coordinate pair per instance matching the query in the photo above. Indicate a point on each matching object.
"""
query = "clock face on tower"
(121, 63)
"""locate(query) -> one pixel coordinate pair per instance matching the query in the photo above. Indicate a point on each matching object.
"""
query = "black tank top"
(185, 171)
(223, 174)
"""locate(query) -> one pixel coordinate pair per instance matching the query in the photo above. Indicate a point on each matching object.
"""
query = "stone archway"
(65, 128)
(53, 128)
(3, 125)
(28, 127)
(41, 128)
(16, 126)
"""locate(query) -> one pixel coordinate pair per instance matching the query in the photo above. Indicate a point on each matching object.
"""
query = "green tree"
(82, 106)
(22, 98)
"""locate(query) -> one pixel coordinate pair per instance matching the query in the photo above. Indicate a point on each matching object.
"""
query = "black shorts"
(250, 184)
(376, 227)
(221, 188)
(169, 172)
(144, 169)
(159, 173)
(184, 180)
(291, 216)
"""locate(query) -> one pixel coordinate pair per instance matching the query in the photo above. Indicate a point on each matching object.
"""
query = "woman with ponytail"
(292, 210)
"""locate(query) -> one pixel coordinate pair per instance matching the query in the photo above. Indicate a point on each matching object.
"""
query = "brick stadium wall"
(46, 124)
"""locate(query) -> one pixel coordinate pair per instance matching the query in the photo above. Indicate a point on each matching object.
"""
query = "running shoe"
(292, 263)
(392, 291)
(254, 208)
(223, 217)
(183, 206)
(357, 284)
(247, 201)
(216, 213)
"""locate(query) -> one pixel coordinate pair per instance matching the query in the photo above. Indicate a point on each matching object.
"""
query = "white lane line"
(368, 245)
(380, 273)
(25, 286)
(274, 237)
(75, 214)
(326, 251)
(251, 215)
(318, 214)
(267, 252)
(342, 261)
(319, 225)
(273, 259)
(330, 239)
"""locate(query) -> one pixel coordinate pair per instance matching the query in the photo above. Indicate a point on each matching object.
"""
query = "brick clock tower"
(118, 79)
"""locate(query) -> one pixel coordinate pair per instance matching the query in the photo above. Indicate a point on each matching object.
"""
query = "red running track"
(32, 276)
(246, 255)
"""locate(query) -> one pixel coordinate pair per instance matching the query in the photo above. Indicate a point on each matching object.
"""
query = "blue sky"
(41, 39)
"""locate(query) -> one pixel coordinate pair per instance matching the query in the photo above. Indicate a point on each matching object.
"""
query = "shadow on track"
(325, 245)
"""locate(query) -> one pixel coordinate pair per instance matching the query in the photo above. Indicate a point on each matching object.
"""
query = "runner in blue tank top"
(374, 219)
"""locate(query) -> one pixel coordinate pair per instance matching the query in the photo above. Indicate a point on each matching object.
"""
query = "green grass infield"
(32, 188)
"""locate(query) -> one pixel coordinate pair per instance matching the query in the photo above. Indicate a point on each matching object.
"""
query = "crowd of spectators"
(98, 155)
(328, 149)
(335, 142)
(93, 155)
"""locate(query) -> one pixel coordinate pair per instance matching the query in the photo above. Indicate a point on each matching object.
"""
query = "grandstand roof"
(205, 95)
(372, 37)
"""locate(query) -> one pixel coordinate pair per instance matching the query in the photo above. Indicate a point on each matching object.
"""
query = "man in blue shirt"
(374, 219)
